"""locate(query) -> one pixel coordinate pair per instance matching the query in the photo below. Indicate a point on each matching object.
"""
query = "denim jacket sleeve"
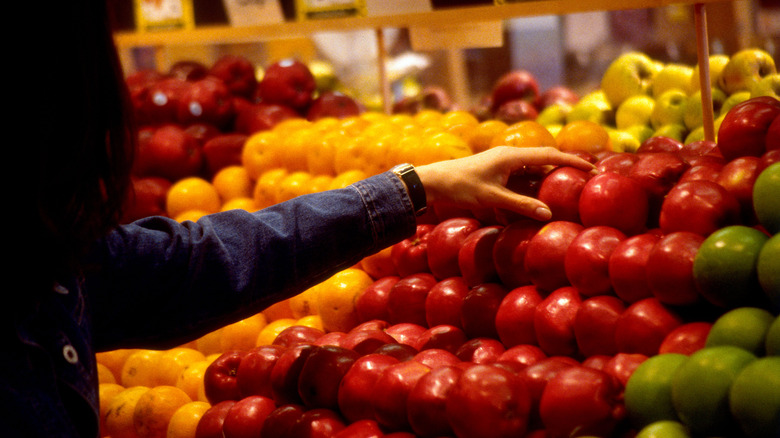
(161, 282)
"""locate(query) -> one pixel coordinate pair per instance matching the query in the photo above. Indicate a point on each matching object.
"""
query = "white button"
(60, 289)
(70, 354)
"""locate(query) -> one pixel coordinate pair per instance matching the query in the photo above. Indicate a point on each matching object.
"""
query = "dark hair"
(83, 153)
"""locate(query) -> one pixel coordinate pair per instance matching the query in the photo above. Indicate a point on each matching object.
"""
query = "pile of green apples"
(640, 97)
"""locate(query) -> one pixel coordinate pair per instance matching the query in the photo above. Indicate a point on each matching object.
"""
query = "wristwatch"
(414, 187)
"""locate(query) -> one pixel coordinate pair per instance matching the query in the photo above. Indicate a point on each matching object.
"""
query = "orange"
(314, 321)
(439, 147)
(379, 264)
(192, 193)
(261, 153)
(267, 186)
(241, 335)
(377, 153)
(526, 133)
(190, 215)
(106, 393)
(429, 118)
(104, 374)
(278, 310)
(190, 380)
(210, 343)
(305, 303)
(118, 419)
(294, 124)
(406, 149)
(293, 185)
(320, 159)
(354, 125)
(337, 296)
(320, 183)
(484, 133)
(247, 204)
(140, 368)
(233, 182)
(296, 145)
(154, 410)
(583, 135)
(114, 359)
(172, 362)
(459, 117)
(346, 178)
(351, 154)
(184, 422)
(270, 331)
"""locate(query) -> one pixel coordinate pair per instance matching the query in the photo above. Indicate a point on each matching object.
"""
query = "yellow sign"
(151, 15)
(316, 9)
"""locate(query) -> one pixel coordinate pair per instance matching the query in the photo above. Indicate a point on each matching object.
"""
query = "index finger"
(540, 156)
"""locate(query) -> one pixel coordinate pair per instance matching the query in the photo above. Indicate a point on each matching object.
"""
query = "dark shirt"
(157, 283)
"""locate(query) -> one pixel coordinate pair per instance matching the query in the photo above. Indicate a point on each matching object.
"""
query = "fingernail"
(543, 213)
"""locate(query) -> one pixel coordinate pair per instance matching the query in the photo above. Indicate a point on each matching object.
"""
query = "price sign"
(151, 15)
(317, 9)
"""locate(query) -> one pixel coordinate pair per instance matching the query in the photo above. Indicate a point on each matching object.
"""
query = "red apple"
(356, 389)
(410, 256)
(262, 117)
(738, 176)
(622, 366)
(558, 94)
(237, 73)
(360, 429)
(700, 207)
(515, 110)
(161, 101)
(481, 350)
(644, 325)
(475, 258)
(670, 268)
(254, 372)
(321, 375)
(297, 335)
(587, 259)
(594, 325)
(510, 249)
(147, 197)
(443, 305)
(406, 299)
(581, 400)
(744, 128)
(514, 319)
(700, 148)
(442, 337)
(402, 352)
(207, 100)
(657, 173)
(170, 153)
(660, 143)
(544, 258)
(773, 136)
(444, 244)
(331, 338)
(436, 358)
(406, 333)
(333, 104)
(427, 402)
(246, 417)
(554, 322)
(523, 355)
(287, 82)
(516, 84)
(317, 423)
(619, 163)
(686, 338)
(210, 424)
(433, 97)
(220, 378)
(371, 304)
(366, 341)
(285, 374)
(391, 392)
(372, 324)
(203, 132)
(281, 420)
(628, 267)
(488, 401)
(614, 200)
(188, 70)
(535, 377)
(223, 151)
(480, 306)
(707, 170)
(561, 189)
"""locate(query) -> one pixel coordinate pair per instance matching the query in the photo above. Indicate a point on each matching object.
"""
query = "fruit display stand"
(648, 306)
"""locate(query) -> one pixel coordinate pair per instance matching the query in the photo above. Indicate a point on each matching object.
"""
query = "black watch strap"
(414, 187)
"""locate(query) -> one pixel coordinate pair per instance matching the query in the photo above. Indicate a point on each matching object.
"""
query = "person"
(97, 285)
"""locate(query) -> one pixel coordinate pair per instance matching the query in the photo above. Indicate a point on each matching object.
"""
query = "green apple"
(673, 76)
(717, 62)
(635, 110)
(743, 327)
(754, 398)
(669, 108)
(766, 202)
(554, 114)
(677, 131)
(648, 392)
(739, 96)
(629, 74)
(773, 338)
(768, 270)
(623, 141)
(696, 134)
(641, 132)
(693, 110)
(700, 389)
(769, 85)
(664, 429)
(725, 266)
(745, 68)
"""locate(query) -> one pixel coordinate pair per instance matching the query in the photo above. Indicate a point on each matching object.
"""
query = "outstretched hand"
(479, 181)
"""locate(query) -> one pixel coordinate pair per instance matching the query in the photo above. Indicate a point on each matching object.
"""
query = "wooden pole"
(384, 83)
(703, 54)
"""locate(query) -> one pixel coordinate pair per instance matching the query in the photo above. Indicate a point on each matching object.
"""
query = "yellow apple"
(629, 74)
(594, 107)
(635, 110)
(673, 76)
(717, 63)
(623, 141)
(744, 69)
(677, 131)
(640, 132)
(739, 96)
(767, 86)
(693, 112)
(669, 108)
(554, 114)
